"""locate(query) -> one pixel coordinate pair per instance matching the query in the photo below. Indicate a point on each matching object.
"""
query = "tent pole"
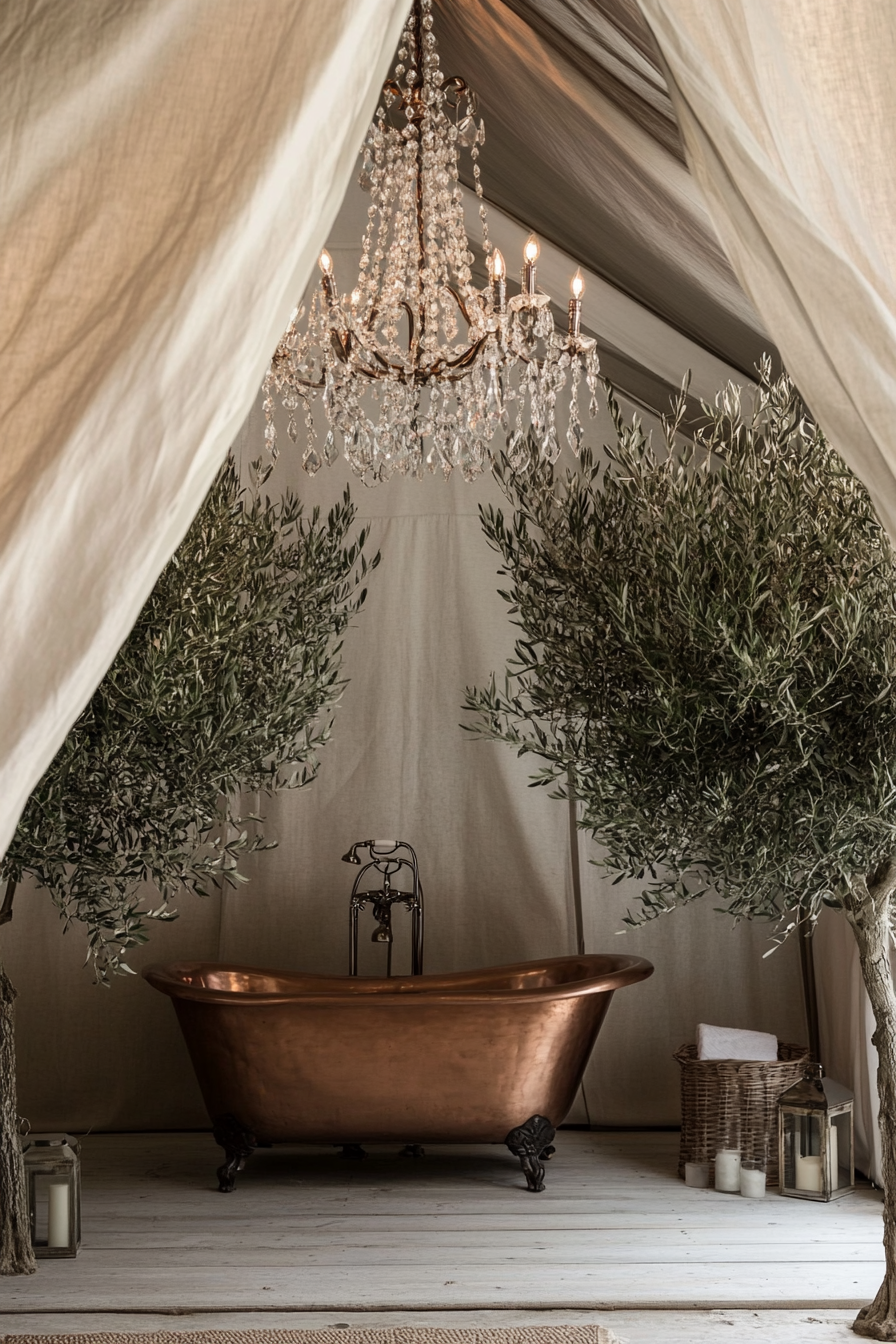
(576, 867)
(810, 996)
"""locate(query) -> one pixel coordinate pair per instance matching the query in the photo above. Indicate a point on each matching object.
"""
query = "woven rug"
(526, 1334)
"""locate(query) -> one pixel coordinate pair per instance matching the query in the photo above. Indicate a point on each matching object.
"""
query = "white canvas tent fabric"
(168, 173)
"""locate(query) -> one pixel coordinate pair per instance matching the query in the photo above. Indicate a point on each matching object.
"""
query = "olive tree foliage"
(225, 685)
(707, 657)
(708, 653)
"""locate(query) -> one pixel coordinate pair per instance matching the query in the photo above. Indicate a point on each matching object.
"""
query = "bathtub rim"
(616, 970)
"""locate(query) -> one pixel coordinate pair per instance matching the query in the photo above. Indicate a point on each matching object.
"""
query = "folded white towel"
(729, 1043)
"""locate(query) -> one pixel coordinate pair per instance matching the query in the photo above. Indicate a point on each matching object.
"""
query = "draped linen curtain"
(788, 116)
(169, 170)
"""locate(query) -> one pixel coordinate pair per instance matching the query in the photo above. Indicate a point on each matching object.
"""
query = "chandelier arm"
(387, 364)
(410, 312)
(353, 339)
(468, 357)
(462, 362)
(369, 327)
(462, 307)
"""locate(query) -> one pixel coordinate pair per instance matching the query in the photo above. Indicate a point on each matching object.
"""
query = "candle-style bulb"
(578, 285)
(496, 265)
(531, 250)
(325, 262)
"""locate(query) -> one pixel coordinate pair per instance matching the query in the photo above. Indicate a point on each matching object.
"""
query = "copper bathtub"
(488, 1056)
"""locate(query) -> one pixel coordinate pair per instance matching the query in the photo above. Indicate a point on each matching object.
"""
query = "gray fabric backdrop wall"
(494, 854)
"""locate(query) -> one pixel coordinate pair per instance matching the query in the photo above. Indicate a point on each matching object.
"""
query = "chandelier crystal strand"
(417, 369)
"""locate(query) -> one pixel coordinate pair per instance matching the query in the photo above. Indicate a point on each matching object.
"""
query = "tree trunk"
(16, 1255)
(869, 910)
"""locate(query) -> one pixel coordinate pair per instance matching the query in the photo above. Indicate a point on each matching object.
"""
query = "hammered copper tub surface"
(431, 1058)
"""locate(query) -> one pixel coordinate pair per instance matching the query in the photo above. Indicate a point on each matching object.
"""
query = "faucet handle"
(382, 846)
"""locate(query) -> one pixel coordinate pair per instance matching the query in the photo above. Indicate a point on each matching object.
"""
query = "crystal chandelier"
(417, 369)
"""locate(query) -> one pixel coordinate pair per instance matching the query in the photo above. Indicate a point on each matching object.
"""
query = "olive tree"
(225, 686)
(707, 657)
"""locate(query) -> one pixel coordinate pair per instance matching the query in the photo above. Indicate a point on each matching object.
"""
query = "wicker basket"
(736, 1097)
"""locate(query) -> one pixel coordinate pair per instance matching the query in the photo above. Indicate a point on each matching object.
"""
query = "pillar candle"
(728, 1170)
(697, 1175)
(752, 1183)
(58, 1215)
(809, 1174)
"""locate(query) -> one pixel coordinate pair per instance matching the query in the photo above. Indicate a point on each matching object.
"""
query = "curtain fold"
(168, 174)
(788, 116)
(846, 1025)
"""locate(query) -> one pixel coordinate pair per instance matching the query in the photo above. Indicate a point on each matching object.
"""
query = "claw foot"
(238, 1143)
(531, 1143)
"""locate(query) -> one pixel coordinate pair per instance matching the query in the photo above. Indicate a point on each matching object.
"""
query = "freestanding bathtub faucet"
(388, 857)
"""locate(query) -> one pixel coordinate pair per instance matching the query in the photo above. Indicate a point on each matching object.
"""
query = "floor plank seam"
(612, 1305)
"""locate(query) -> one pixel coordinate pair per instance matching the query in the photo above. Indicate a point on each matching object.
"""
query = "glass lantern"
(815, 1135)
(53, 1171)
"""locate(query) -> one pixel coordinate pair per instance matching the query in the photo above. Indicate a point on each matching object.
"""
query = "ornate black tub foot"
(353, 1151)
(531, 1143)
(238, 1143)
(412, 1150)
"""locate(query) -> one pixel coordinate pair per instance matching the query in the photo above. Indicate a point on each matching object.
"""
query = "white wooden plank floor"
(309, 1239)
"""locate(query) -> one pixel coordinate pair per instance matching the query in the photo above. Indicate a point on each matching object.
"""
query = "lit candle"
(499, 281)
(728, 1170)
(58, 1232)
(530, 256)
(575, 304)
(325, 262)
